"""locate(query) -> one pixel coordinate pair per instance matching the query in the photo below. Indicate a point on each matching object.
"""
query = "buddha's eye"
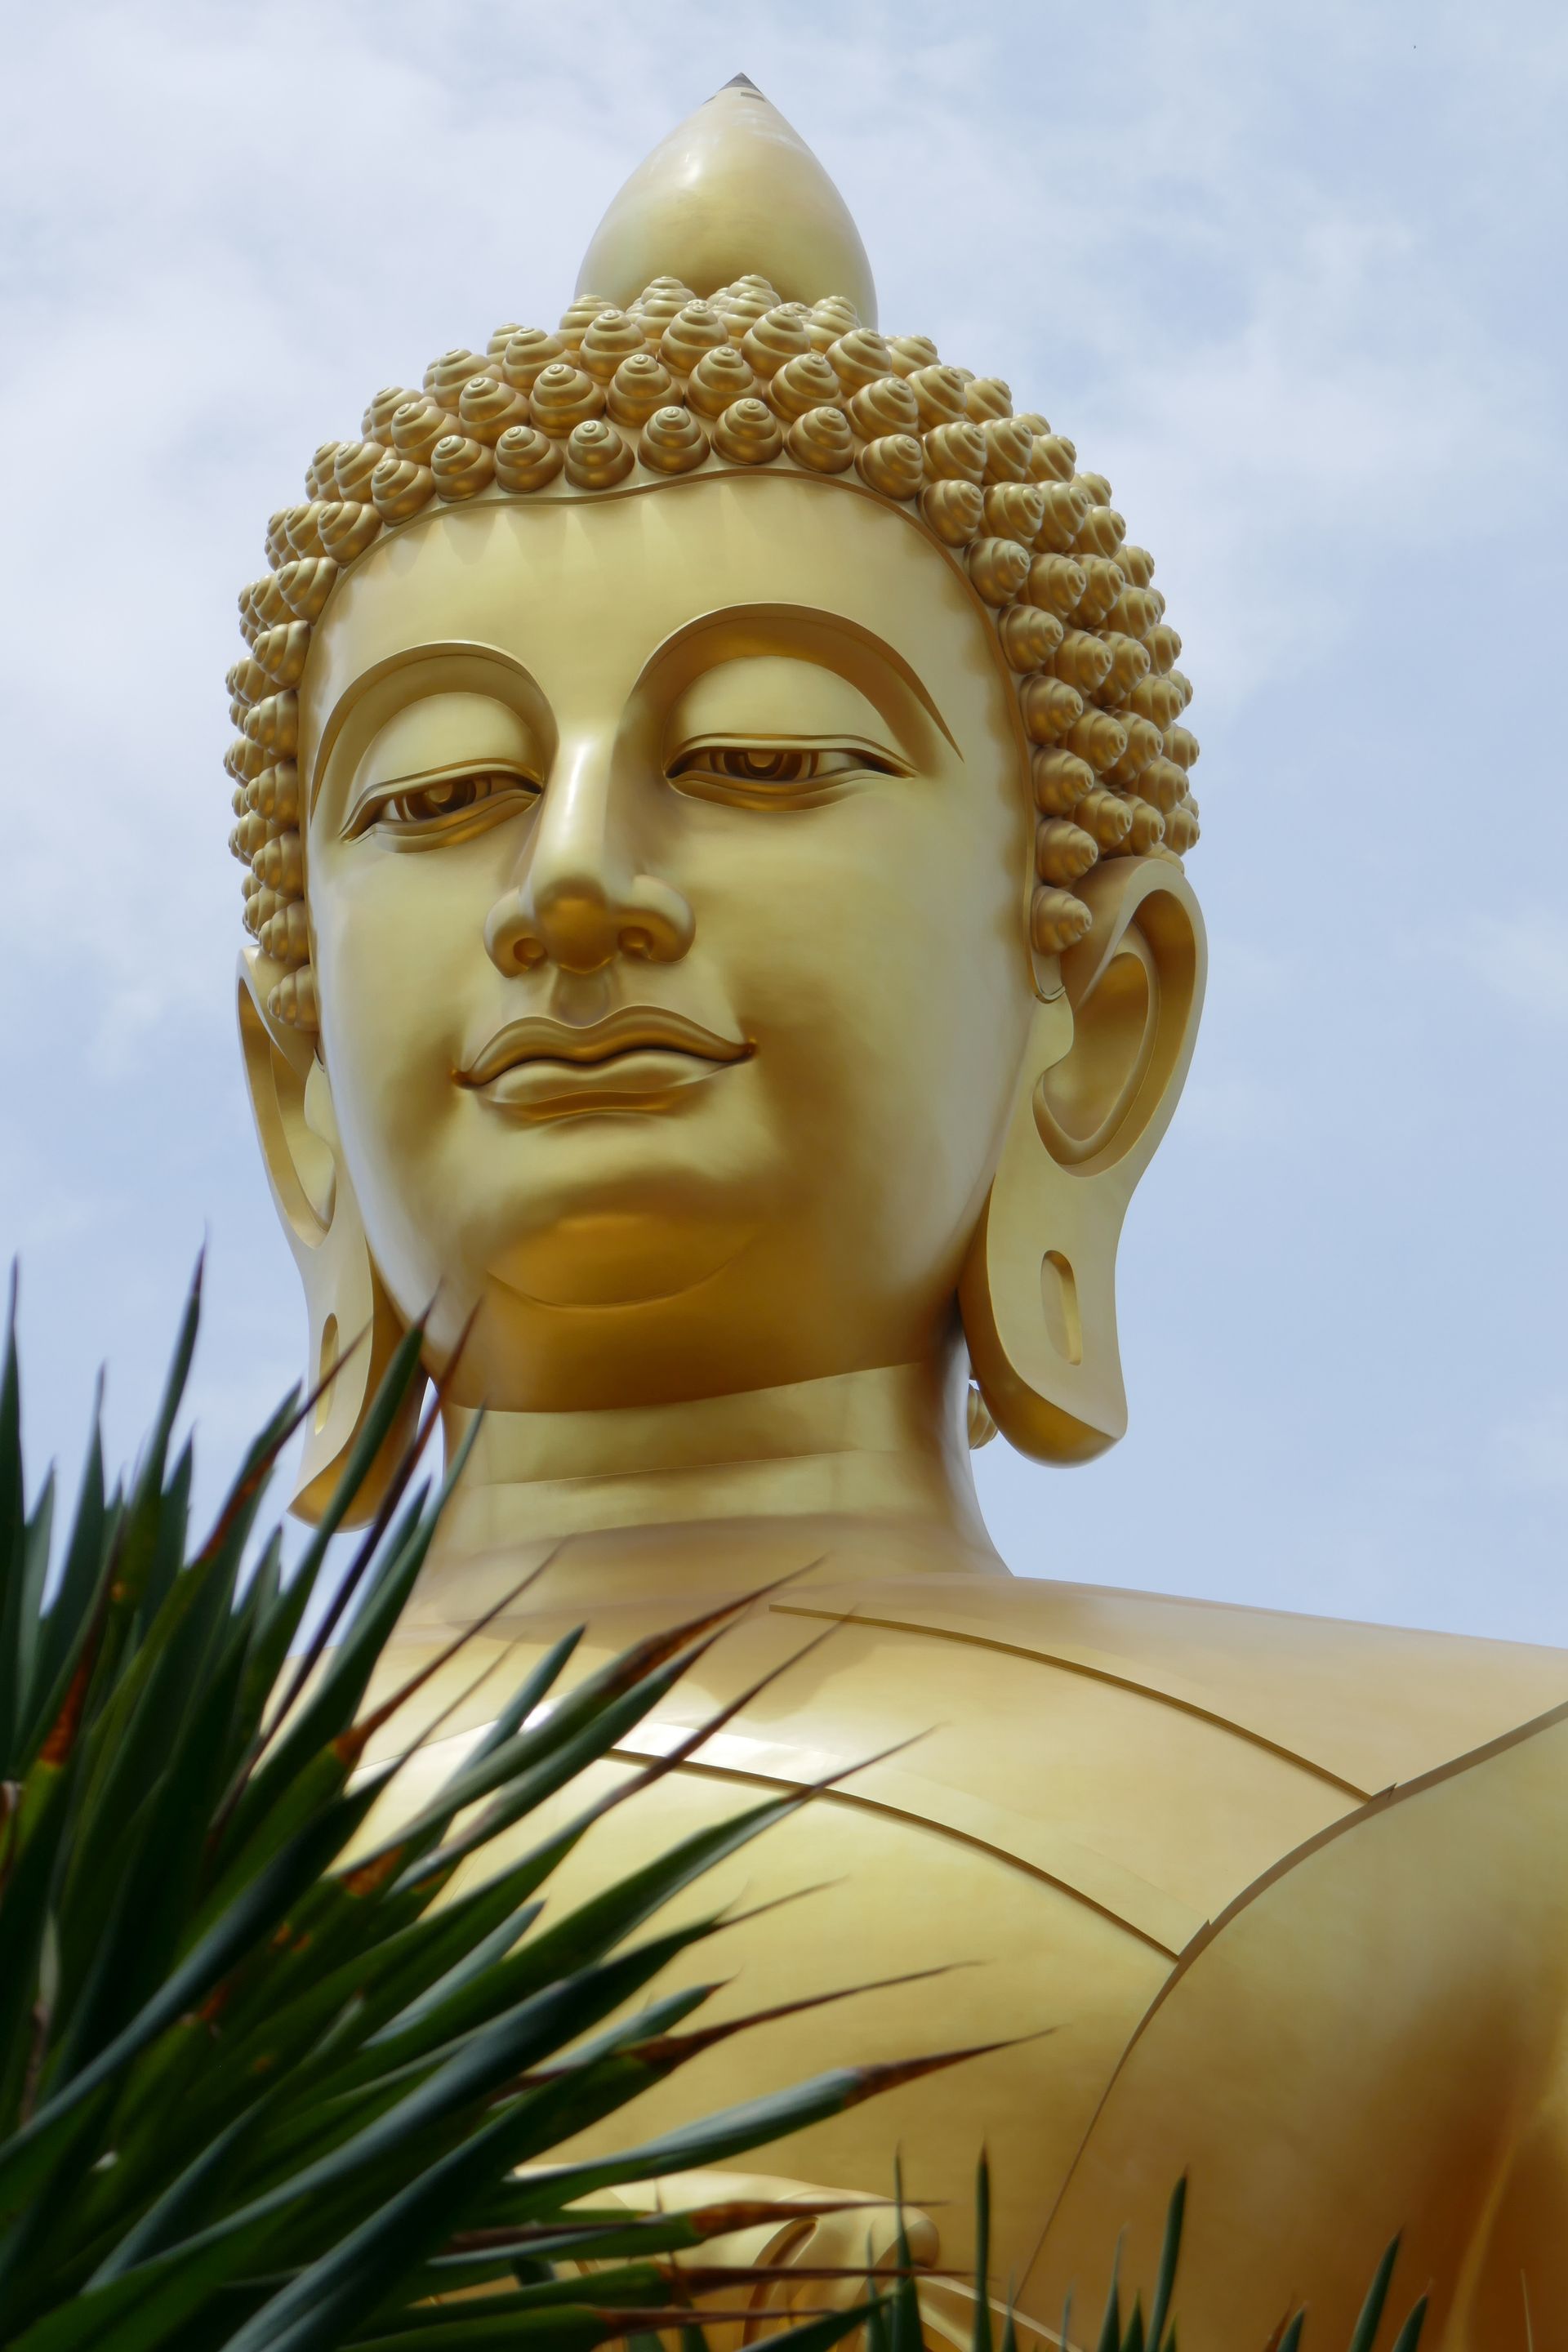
(442, 806)
(761, 772)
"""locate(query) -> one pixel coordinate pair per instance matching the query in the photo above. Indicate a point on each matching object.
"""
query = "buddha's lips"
(635, 1029)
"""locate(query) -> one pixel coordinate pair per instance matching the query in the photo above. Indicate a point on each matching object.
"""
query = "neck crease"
(884, 1447)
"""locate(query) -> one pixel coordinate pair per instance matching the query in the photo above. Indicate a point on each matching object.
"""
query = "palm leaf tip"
(1409, 2336)
(1364, 2332)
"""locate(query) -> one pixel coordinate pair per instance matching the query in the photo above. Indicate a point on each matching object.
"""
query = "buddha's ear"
(1105, 1065)
(353, 1323)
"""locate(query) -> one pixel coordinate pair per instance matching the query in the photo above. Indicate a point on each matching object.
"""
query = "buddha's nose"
(585, 897)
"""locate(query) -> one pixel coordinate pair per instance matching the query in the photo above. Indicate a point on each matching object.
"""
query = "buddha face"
(668, 870)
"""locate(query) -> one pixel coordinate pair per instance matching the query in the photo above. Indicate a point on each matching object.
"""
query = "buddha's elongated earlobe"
(320, 1218)
(1105, 1065)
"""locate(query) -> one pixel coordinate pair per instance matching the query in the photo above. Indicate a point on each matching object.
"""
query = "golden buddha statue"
(713, 797)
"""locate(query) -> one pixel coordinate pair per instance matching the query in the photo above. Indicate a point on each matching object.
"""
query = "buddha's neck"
(866, 1473)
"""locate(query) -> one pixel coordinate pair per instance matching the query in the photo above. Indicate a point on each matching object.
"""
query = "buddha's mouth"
(628, 1060)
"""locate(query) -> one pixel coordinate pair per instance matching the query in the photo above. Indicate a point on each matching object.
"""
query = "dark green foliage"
(981, 2340)
(1158, 2334)
(255, 2095)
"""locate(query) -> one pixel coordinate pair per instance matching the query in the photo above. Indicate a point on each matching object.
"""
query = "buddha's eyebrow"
(805, 633)
(407, 657)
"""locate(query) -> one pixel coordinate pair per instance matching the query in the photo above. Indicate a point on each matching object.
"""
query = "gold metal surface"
(732, 189)
(712, 800)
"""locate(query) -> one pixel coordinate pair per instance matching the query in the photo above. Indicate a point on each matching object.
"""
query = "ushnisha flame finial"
(734, 190)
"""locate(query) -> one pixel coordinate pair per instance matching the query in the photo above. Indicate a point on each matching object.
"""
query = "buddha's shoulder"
(1368, 1705)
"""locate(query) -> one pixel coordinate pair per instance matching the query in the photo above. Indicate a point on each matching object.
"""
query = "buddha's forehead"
(586, 594)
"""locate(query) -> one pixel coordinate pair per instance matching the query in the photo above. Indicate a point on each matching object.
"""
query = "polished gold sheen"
(713, 791)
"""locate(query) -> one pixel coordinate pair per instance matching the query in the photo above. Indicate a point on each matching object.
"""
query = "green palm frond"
(258, 2092)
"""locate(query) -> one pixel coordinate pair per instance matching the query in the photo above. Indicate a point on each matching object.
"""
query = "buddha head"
(712, 800)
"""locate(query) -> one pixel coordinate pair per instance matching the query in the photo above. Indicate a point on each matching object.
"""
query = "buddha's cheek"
(874, 952)
(395, 996)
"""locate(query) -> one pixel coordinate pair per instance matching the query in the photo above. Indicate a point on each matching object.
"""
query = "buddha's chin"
(610, 1258)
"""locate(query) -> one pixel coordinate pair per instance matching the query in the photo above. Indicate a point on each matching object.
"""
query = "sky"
(1289, 275)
